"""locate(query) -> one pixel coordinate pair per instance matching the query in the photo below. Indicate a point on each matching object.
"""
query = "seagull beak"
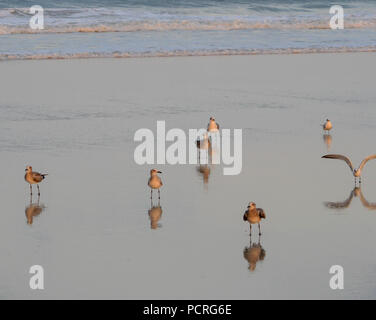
(25, 170)
(159, 171)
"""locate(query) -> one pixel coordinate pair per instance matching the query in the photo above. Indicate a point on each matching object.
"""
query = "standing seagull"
(155, 182)
(33, 178)
(356, 172)
(205, 146)
(212, 125)
(254, 215)
(327, 126)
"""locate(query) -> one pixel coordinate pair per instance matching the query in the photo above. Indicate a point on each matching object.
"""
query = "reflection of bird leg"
(259, 240)
(360, 180)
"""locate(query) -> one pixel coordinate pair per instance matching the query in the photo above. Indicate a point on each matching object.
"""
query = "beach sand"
(75, 120)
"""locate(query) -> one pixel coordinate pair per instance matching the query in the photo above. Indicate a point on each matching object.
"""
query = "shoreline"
(126, 55)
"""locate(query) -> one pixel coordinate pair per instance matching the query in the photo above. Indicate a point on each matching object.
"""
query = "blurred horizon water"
(83, 29)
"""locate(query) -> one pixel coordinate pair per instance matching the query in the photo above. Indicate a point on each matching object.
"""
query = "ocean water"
(159, 28)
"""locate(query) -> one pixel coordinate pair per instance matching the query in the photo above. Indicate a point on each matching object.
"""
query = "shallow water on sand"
(94, 236)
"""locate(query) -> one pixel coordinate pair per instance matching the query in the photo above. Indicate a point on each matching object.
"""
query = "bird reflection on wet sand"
(204, 151)
(356, 192)
(204, 170)
(327, 140)
(155, 214)
(33, 210)
(254, 253)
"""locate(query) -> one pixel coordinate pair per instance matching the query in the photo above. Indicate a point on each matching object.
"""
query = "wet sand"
(75, 120)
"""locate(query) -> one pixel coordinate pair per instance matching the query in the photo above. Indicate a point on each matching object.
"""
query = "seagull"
(356, 172)
(212, 125)
(204, 146)
(327, 126)
(33, 178)
(155, 182)
(254, 215)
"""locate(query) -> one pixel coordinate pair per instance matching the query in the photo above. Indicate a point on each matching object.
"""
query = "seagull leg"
(38, 190)
(259, 229)
(159, 194)
(31, 190)
(250, 229)
(151, 193)
(360, 180)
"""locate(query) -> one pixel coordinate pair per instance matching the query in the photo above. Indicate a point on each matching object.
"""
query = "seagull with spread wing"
(356, 172)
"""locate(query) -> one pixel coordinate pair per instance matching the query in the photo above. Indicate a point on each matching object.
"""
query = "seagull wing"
(261, 213)
(37, 177)
(366, 160)
(341, 157)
